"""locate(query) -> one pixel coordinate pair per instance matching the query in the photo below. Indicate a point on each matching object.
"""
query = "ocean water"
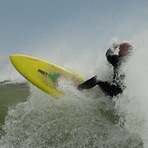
(29, 118)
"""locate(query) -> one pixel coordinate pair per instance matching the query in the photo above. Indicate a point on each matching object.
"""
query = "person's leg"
(88, 83)
(110, 89)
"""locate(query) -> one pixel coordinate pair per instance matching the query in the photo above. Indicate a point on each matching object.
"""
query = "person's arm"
(111, 57)
(110, 52)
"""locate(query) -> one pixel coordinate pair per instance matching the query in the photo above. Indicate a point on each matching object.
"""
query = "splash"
(79, 119)
(76, 120)
(132, 105)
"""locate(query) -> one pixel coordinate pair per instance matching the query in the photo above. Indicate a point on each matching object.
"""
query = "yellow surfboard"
(43, 74)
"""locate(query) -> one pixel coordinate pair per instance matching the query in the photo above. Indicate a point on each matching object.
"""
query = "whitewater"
(80, 119)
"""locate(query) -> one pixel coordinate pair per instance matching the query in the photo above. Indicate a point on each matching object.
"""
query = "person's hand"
(115, 45)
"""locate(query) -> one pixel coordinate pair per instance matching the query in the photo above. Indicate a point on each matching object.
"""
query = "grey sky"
(26, 25)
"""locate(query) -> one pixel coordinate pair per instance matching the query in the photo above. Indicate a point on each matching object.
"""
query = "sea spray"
(132, 104)
(79, 119)
(76, 120)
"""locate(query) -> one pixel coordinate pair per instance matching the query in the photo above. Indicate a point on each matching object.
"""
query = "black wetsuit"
(109, 88)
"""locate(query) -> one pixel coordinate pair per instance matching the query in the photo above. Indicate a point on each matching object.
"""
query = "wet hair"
(127, 44)
(125, 48)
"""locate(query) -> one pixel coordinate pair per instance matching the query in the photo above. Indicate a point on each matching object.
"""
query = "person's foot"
(88, 84)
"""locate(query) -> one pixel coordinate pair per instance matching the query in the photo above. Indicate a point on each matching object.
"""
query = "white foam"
(80, 119)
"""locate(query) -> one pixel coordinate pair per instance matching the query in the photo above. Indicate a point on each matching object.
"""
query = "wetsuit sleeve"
(111, 57)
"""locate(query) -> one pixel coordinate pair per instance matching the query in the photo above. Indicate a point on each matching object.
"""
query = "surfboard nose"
(12, 57)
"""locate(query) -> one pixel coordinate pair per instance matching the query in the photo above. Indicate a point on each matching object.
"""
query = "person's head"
(125, 48)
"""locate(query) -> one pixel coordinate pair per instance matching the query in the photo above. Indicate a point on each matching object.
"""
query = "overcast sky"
(29, 25)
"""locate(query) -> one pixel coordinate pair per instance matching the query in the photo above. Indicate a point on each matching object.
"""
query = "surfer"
(116, 86)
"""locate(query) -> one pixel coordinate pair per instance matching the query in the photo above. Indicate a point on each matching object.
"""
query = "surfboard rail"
(43, 74)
